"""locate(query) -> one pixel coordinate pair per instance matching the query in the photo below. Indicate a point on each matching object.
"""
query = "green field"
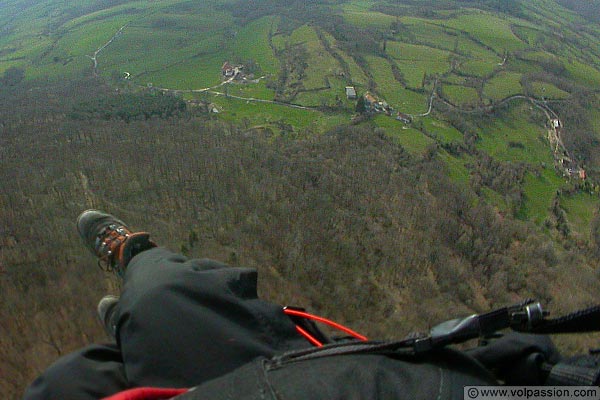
(320, 63)
(515, 138)
(455, 80)
(425, 32)
(478, 68)
(412, 52)
(262, 114)
(415, 71)
(253, 90)
(456, 168)
(548, 90)
(528, 34)
(392, 91)
(58, 70)
(411, 139)
(489, 29)
(4, 65)
(358, 5)
(539, 194)
(196, 73)
(503, 85)
(461, 95)
(580, 209)
(442, 131)
(251, 43)
(28, 48)
(132, 10)
(584, 74)
(142, 51)
(365, 19)
(416, 60)
(357, 75)
(522, 66)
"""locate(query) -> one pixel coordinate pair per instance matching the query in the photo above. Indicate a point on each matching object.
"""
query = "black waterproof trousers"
(181, 322)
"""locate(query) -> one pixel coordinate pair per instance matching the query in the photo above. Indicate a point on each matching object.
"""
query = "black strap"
(586, 320)
(524, 317)
(402, 347)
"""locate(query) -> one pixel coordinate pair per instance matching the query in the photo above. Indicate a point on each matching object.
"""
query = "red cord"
(325, 321)
(314, 341)
(147, 393)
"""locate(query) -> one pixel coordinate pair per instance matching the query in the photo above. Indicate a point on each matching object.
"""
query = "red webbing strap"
(146, 393)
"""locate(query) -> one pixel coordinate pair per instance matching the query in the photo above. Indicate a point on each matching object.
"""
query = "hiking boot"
(106, 312)
(111, 240)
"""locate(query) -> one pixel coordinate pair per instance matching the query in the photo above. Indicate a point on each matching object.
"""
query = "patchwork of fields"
(468, 59)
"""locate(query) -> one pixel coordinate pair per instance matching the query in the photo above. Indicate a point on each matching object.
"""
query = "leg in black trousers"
(183, 321)
(87, 374)
(180, 322)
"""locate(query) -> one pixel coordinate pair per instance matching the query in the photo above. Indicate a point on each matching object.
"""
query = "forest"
(347, 224)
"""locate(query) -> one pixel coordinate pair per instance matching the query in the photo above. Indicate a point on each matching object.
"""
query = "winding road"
(94, 57)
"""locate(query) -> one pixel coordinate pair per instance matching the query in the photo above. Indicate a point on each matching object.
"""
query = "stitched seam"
(263, 365)
(441, 383)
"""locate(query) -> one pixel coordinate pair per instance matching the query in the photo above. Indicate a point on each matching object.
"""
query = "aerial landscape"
(385, 163)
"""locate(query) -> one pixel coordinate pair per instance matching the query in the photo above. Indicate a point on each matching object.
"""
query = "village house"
(234, 71)
(577, 173)
(372, 104)
(227, 70)
(407, 119)
(556, 124)
(350, 92)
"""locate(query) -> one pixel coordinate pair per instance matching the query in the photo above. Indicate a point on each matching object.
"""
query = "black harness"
(526, 317)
